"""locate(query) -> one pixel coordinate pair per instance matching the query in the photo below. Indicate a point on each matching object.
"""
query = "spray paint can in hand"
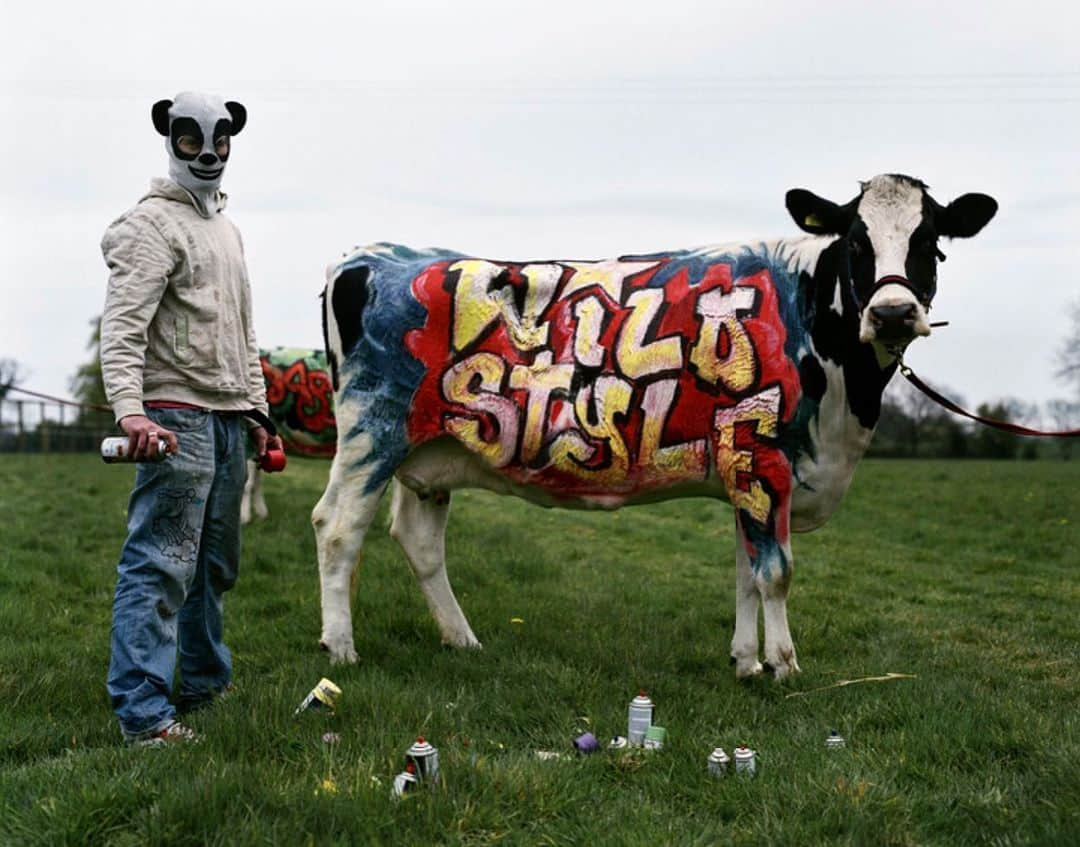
(745, 761)
(640, 719)
(424, 758)
(719, 762)
(273, 460)
(117, 449)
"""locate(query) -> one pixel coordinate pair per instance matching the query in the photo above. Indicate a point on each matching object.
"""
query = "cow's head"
(890, 238)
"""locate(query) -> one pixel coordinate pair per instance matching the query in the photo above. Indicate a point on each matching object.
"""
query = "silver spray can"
(640, 719)
(404, 782)
(719, 762)
(745, 761)
(424, 758)
(116, 449)
(834, 741)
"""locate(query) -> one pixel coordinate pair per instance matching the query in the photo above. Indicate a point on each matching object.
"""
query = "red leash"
(1016, 429)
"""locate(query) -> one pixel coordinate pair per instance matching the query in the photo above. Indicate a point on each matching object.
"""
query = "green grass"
(961, 573)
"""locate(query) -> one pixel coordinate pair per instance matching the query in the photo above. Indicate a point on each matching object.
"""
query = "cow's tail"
(344, 299)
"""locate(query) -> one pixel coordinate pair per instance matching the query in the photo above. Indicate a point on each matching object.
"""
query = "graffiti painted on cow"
(631, 381)
(299, 393)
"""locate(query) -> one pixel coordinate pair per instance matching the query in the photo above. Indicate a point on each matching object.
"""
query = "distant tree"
(990, 443)
(87, 386)
(1068, 357)
(916, 425)
(11, 374)
(1064, 414)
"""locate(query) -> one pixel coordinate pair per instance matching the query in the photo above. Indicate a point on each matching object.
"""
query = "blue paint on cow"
(378, 372)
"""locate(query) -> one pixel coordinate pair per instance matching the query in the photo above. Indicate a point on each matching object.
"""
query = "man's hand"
(144, 436)
(263, 441)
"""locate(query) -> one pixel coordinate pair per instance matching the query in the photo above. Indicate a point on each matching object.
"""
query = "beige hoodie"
(177, 322)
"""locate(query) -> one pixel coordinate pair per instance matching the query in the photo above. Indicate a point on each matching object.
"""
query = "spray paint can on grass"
(405, 781)
(745, 761)
(322, 696)
(719, 763)
(640, 719)
(424, 759)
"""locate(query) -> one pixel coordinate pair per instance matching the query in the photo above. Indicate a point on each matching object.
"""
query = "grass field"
(963, 574)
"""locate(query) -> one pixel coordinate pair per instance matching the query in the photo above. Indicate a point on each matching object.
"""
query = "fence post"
(43, 426)
(21, 441)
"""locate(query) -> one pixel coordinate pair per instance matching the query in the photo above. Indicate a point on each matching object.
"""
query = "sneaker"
(173, 733)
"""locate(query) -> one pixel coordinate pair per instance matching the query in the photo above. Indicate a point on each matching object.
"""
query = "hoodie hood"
(169, 190)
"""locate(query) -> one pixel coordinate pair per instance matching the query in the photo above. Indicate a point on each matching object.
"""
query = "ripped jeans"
(181, 555)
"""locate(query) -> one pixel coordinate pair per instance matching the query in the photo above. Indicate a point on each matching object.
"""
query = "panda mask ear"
(239, 116)
(159, 113)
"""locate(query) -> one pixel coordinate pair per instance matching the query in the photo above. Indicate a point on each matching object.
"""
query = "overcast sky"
(546, 130)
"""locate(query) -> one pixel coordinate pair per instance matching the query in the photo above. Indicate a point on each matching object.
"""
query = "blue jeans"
(181, 555)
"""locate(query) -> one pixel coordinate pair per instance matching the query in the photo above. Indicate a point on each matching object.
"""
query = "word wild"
(586, 379)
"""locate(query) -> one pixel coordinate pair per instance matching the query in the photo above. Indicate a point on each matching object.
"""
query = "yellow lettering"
(539, 379)
(720, 314)
(607, 397)
(456, 386)
(477, 306)
(590, 321)
(683, 461)
(637, 358)
(763, 409)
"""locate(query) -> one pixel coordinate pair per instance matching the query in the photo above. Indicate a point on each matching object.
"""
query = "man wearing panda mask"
(181, 368)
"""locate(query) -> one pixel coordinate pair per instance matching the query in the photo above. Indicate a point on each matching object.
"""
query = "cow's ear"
(238, 114)
(159, 113)
(816, 214)
(966, 215)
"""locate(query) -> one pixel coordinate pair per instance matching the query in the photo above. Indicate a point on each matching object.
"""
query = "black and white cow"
(749, 372)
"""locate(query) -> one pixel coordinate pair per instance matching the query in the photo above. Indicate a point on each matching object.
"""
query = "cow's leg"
(419, 526)
(771, 565)
(341, 518)
(253, 499)
(744, 645)
(249, 493)
(258, 502)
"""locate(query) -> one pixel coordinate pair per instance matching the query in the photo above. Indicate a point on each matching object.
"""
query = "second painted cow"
(748, 372)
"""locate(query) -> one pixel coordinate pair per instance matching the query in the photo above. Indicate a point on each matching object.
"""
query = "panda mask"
(198, 129)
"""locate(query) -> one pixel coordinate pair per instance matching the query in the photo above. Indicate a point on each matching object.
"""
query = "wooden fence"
(29, 425)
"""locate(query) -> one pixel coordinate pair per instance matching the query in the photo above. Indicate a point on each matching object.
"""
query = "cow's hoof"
(746, 668)
(467, 640)
(784, 665)
(340, 652)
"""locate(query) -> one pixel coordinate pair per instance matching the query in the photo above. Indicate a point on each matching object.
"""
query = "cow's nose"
(207, 159)
(893, 317)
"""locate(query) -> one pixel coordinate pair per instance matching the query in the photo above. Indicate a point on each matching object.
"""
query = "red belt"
(171, 404)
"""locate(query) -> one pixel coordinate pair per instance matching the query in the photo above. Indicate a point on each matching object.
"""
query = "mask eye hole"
(221, 146)
(189, 145)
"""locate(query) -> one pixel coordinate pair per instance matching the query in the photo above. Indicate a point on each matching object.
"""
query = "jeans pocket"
(180, 420)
